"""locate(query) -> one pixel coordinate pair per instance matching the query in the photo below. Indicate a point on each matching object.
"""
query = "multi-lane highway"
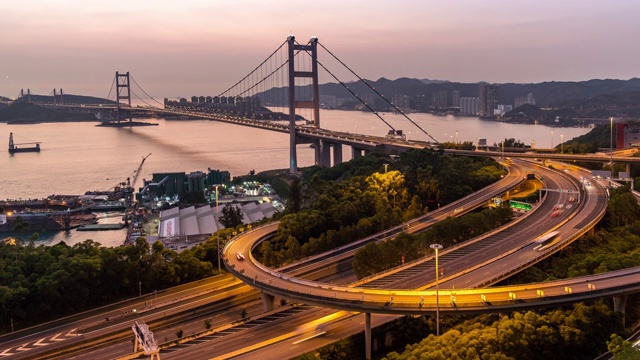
(320, 267)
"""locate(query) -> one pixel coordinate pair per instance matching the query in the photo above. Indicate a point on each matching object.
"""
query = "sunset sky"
(201, 47)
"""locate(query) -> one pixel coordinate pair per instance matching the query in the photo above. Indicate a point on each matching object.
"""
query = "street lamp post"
(385, 167)
(561, 144)
(217, 228)
(437, 247)
(552, 139)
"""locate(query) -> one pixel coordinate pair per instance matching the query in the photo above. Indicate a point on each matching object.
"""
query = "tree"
(231, 216)
(20, 225)
(294, 202)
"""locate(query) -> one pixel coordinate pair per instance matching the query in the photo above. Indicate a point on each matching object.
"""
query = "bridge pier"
(356, 152)
(325, 156)
(619, 305)
(267, 301)
(337, 154)
(367, 335)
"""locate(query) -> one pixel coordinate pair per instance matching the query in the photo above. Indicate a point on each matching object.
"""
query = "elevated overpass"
(457, 298)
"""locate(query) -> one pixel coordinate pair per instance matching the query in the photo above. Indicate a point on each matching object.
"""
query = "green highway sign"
(518, 205)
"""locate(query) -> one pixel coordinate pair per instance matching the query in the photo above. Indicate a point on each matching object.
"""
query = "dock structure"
(24, 147)
(101, 227)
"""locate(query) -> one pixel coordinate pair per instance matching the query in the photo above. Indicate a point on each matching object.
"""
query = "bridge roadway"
(364, 142)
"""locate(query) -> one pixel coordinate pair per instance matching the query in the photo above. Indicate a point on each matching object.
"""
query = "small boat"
(24, 147)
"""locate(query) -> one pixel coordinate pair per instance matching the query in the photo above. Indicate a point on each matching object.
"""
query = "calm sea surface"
(79, 157)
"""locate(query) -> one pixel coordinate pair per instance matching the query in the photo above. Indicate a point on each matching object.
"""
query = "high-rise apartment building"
(455, 98)
(489, 99)
(469, 106)
(522, 100)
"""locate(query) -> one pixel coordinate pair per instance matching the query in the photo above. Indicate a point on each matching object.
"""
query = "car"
(239, 256)
(554, 214)
(571, 199)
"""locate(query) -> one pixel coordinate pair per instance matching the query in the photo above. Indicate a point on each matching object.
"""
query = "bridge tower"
(123, 92)
(54, 98)
(314, 103)
(61, 97)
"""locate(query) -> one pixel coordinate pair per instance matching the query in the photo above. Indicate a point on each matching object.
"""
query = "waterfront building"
(192, 221)
(439, 100)
(523, 100)
(469, 106)
(402, 102)
(328, 101)
(500, 110)
(488, 99)
(455, 98)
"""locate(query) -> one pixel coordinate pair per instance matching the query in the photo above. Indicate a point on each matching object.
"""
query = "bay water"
(80, 156)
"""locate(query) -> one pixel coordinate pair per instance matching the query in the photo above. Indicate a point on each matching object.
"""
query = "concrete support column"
(355, 152)
(619, 304)
(326, 154)
(367, 335)
(628, 169)
(267, 301)
(337, 154)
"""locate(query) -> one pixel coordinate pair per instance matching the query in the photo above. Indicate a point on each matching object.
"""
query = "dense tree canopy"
(351, 201)
(558, 334)
(39, 283)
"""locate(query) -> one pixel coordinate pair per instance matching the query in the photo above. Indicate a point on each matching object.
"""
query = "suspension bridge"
(288, 79)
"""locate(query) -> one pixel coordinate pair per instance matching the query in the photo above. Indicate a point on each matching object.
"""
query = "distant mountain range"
(547, 94)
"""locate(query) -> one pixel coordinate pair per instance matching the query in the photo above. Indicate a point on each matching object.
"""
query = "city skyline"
(198, 48)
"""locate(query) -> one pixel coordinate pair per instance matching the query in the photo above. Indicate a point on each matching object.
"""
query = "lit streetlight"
(437, 247)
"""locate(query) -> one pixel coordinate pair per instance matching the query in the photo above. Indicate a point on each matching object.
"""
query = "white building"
(200, 221)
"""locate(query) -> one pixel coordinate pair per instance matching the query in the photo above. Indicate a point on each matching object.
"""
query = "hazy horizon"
(196, 47)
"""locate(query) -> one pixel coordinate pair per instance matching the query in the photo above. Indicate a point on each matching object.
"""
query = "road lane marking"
(55, 337)
(39, 343)
(310, 337)
(22, 348)
(6, 353)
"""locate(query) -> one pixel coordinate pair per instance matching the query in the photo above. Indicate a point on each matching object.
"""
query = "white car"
(239, 256)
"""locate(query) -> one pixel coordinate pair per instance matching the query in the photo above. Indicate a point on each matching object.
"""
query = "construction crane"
(137, 172)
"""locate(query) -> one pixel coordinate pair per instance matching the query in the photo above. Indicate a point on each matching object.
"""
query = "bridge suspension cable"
(111, 89)
(376, 91)
(356, 96)
(253, 71)
(148, 96)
